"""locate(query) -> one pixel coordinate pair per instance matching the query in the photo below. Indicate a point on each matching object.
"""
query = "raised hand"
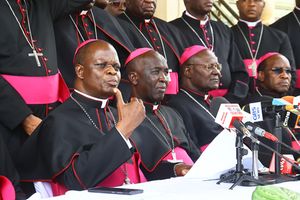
(130, 115)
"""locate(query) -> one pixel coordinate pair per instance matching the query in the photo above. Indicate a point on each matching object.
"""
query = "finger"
(140, 101)
(133, 99)
(119, 97)
(184, 172)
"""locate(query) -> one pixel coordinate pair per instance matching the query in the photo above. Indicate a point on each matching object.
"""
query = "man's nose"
(164, 77)
(111, 70)
(284, 74)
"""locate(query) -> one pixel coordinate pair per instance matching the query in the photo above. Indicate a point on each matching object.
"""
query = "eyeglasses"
(209, 67)
(279, 70)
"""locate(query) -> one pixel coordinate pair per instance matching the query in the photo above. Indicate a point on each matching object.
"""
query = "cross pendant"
(36, 56)
(174, 159)
(253, 68)
(127, 181)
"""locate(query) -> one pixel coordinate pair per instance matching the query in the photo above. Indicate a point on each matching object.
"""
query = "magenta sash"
(115, 179)
(218, 92)
(173, 86)
(202, 148)
(118, 176)
(7, 190)
(248, 65)
(295, 145)
(298, 79)
(40, 90)
(181, 154)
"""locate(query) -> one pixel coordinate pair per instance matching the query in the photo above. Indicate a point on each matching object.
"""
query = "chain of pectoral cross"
(34, 53)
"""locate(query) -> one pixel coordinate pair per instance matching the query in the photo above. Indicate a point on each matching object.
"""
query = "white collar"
(103, 101)
(297, 8)
(84, 12)
(155, 107)
(202, 22)
(250, 24)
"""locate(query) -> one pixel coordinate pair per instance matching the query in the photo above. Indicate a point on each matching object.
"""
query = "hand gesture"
(130, 115)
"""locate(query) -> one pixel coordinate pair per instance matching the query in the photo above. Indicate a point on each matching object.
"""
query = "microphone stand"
(277, 177)
(239, 176)
(255, 148)
(278, 133)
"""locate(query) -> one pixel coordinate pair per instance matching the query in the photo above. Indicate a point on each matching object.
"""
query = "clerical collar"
(206, 97)
(135, 19)
(152, 106)
(196, 93)
(250, 24)
(202, 22)
(84, 12)
(103, 101)
(264, 92)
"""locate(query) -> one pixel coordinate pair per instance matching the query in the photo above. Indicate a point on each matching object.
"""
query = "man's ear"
(261, 76)
(133, 77)
(79, 69)
(237, 3)
(187, 72)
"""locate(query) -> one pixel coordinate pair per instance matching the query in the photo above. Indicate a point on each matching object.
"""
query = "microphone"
(263, 133)
(260, 132)
(266, 105)
(292, 119)
(242, 128)
(215, 105)
(227, 117)
(278, 108)
(293, 100)
(227, 112)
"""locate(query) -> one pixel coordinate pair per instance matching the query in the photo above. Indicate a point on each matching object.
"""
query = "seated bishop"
(200, 73)
(162, 141)
(84, 143)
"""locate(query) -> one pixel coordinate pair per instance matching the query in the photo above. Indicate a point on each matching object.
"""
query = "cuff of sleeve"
(126, 140)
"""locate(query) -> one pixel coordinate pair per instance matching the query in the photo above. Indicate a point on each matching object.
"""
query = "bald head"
(148, 76)
(97, 69)
(141, 61)
(272, 61)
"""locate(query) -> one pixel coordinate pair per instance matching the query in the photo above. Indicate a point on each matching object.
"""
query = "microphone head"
(289, 99)
(215, 105)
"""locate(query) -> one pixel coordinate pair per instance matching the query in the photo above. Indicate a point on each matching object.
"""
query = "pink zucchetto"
(265, 57)
(82, 45)
(191, 51)
(137, 53)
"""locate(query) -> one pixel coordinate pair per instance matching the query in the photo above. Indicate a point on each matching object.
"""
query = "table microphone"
(263, 133)
(242, 128)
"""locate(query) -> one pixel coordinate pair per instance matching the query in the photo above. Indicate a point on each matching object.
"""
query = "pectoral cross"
(36, 56)
(174, 158)
(127, 181)
(253, 68)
